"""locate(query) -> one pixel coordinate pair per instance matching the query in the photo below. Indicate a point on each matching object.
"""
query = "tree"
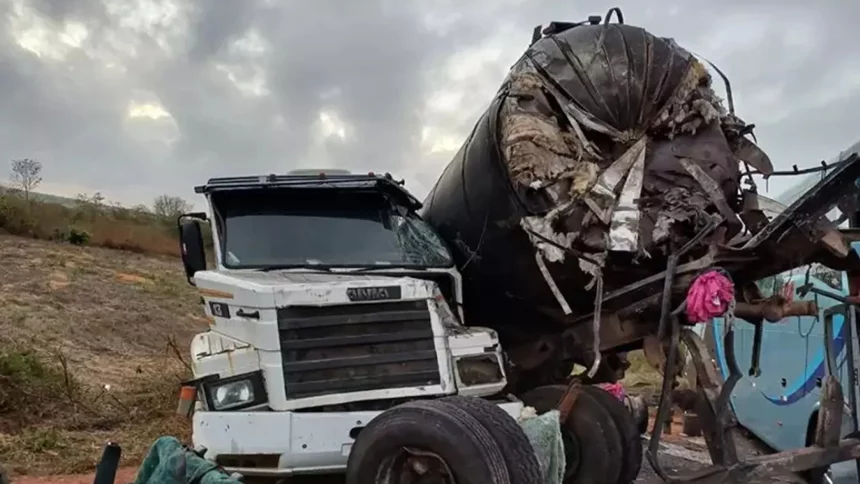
(94, 201)
(90, 205)
(166, 206)
(26, 175)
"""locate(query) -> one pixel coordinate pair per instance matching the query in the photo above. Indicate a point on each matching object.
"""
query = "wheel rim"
(415, 466)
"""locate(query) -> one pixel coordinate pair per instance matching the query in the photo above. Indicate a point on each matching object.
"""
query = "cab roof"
(318, 181)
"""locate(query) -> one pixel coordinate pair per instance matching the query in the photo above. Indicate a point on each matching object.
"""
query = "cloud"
(135, 98)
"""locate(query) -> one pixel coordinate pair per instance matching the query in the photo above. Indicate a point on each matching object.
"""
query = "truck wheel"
(522, 463)
(426, 441)
(631, 439)
(592, 443)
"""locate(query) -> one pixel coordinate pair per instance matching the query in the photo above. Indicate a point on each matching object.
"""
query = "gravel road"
(680, 454)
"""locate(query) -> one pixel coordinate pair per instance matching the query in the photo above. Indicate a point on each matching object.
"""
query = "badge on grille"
(382, 293)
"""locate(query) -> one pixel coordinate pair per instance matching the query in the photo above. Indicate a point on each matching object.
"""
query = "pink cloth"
(709, 297)
(615, 389)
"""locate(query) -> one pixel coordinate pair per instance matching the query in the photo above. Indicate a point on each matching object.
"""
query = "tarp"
(170, 462)
(544, 433)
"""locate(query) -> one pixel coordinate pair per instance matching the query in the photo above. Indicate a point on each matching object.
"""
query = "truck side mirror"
(191, 246)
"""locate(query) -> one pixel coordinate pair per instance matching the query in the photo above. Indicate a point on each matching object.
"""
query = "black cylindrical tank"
(476, 209)
(616, 81)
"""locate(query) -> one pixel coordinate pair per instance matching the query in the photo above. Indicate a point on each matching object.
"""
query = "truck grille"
(356, 347)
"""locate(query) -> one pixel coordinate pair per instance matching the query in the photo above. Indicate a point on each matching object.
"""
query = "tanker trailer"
(606, 174)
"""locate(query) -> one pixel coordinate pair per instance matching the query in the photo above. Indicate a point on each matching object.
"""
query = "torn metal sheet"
(710, 186)
(550, 282)
(624, 232)
(602, 197)
(750, 153)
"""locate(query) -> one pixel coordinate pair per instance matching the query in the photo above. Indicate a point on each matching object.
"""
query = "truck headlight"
(479, 369)
(236, 392)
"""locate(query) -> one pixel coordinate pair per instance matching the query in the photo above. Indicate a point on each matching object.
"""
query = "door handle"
(251, 314)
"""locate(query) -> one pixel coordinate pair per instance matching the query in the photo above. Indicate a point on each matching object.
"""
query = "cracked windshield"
(344, 233)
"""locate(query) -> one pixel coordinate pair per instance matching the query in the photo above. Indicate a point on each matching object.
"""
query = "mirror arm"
(192, 215)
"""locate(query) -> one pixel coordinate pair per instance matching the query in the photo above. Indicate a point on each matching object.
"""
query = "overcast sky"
(135, 98)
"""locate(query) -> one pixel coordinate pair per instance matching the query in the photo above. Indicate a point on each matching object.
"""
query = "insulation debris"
(603, 195)
(542, 227)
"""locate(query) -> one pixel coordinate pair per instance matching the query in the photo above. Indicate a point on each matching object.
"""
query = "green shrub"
(26, 380)
(79, 237)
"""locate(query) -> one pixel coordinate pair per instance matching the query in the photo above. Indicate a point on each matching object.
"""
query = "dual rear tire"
(456, 440)
(463, 440)
(603, 444)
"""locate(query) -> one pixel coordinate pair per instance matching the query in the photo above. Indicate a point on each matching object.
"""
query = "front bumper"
(301, 443)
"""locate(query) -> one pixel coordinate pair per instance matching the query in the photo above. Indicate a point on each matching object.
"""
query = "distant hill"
(47, 198)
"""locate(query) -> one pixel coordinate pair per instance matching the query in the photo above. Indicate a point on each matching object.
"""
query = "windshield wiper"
(343, 269)
(305, 267)
(384, 267)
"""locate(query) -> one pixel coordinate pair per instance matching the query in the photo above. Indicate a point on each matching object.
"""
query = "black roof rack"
(368, 181)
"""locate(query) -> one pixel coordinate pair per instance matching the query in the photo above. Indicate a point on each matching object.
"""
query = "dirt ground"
(97, 305)
(90, 347)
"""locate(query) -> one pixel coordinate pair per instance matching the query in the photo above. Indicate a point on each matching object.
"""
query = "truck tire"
(631, 439)
(522, 463)
(592, 442)
(440, 435)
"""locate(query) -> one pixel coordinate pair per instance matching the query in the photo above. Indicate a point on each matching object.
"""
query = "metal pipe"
(775, 309)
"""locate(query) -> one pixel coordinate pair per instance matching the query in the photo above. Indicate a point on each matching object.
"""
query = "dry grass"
(112, 227)
(88, 338)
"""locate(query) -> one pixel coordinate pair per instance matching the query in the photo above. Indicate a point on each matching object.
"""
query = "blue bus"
(779, 406)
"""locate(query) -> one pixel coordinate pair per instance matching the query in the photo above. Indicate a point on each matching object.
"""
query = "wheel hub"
(416, 466)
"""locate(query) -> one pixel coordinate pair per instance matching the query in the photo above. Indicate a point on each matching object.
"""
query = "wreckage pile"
(605, 150)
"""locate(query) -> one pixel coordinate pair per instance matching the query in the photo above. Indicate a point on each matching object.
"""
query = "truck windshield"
(334, 230)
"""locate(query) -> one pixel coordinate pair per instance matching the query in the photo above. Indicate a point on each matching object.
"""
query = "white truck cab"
(329, 301)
